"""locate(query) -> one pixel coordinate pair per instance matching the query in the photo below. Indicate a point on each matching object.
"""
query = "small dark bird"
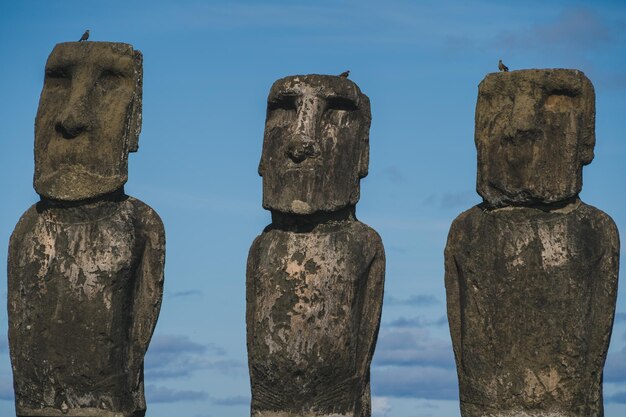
(502, 67)
(85, 36)
(345, 74)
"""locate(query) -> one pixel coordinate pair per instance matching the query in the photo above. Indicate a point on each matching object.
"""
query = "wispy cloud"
(381, 406)
(410, 363)
(6, 387)
(237, 16)
(187, 293)
(416, 322)
(158, 394)
(618, 397)
(394, 174)
(410, 347)
(172, 356)
(576, 37)
(615, 368)
(574, 28)
(453, 200)
(165, 345)
(415, 382)
(231, 401)
(414, 300)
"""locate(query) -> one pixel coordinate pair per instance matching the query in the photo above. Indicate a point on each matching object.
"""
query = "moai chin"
(315, 275)
(531, 273)
(86, 262)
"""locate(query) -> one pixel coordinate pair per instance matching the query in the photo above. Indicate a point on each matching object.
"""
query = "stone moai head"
(535, 129)
(89, 118)
(316, 144)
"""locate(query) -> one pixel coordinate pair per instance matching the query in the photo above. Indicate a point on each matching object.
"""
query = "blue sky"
(208, 67)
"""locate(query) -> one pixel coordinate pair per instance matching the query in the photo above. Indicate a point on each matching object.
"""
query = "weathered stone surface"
(85, 267)
(316, 144)
(315, 275)
(531, 274)
(92, 99)
(535, 129)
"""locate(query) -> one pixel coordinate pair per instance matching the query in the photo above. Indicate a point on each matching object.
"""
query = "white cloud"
(232, 401)
(381, 406)
(416, 322)
(414, 300)
(172, 356)
(415, 382)
(158, 394)
(412, 346)
(6, 387)
(615, 368)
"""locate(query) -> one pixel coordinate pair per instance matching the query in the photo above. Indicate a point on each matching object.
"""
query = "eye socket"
(340, 103)
(560, 103)
(566, 92)
(285, 102)
(109, 79)
(58, 73)
(111, 74)
(58, 79)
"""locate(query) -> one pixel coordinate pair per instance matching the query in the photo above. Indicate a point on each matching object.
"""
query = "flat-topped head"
(535, 129)
(89, 118)
(316, 144)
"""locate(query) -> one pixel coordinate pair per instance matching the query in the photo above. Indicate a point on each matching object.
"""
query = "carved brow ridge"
(331, 97)
(564, 90)
(122, 65)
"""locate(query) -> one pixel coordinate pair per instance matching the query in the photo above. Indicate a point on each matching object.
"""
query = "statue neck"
(314, 221)
(81, 211)
(563, 206)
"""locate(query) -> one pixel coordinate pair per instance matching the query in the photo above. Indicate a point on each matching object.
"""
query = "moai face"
(535, 129)
(316, 144)
(89, 118)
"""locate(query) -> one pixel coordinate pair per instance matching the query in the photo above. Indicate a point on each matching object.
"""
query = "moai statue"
(315, 275)
(86, 262)
(531, 273)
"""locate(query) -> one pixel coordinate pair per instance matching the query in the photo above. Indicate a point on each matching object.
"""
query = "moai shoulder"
(531, 273)
(85, 267)
(315, 275)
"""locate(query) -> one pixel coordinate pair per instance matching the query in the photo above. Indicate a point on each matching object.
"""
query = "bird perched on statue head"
(345, 74)
(85, 36)
(502, 67)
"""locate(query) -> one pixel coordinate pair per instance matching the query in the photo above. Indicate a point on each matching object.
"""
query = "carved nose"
(74, 119)
(300, 149)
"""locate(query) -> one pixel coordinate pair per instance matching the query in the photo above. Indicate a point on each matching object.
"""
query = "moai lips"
(315, 276)
(85, 267)
(531, 274)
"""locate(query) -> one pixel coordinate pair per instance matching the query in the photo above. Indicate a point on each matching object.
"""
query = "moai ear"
(587, 144)
(588, 128)
(134, 124)
(261, 168)
(364, 157)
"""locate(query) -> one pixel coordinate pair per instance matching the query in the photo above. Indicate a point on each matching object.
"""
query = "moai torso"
(86, 262)
(315, 276)
(531, 274)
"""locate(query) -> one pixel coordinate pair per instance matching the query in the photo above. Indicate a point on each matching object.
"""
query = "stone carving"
(531, 273)
(315, 275)
(86, 262)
